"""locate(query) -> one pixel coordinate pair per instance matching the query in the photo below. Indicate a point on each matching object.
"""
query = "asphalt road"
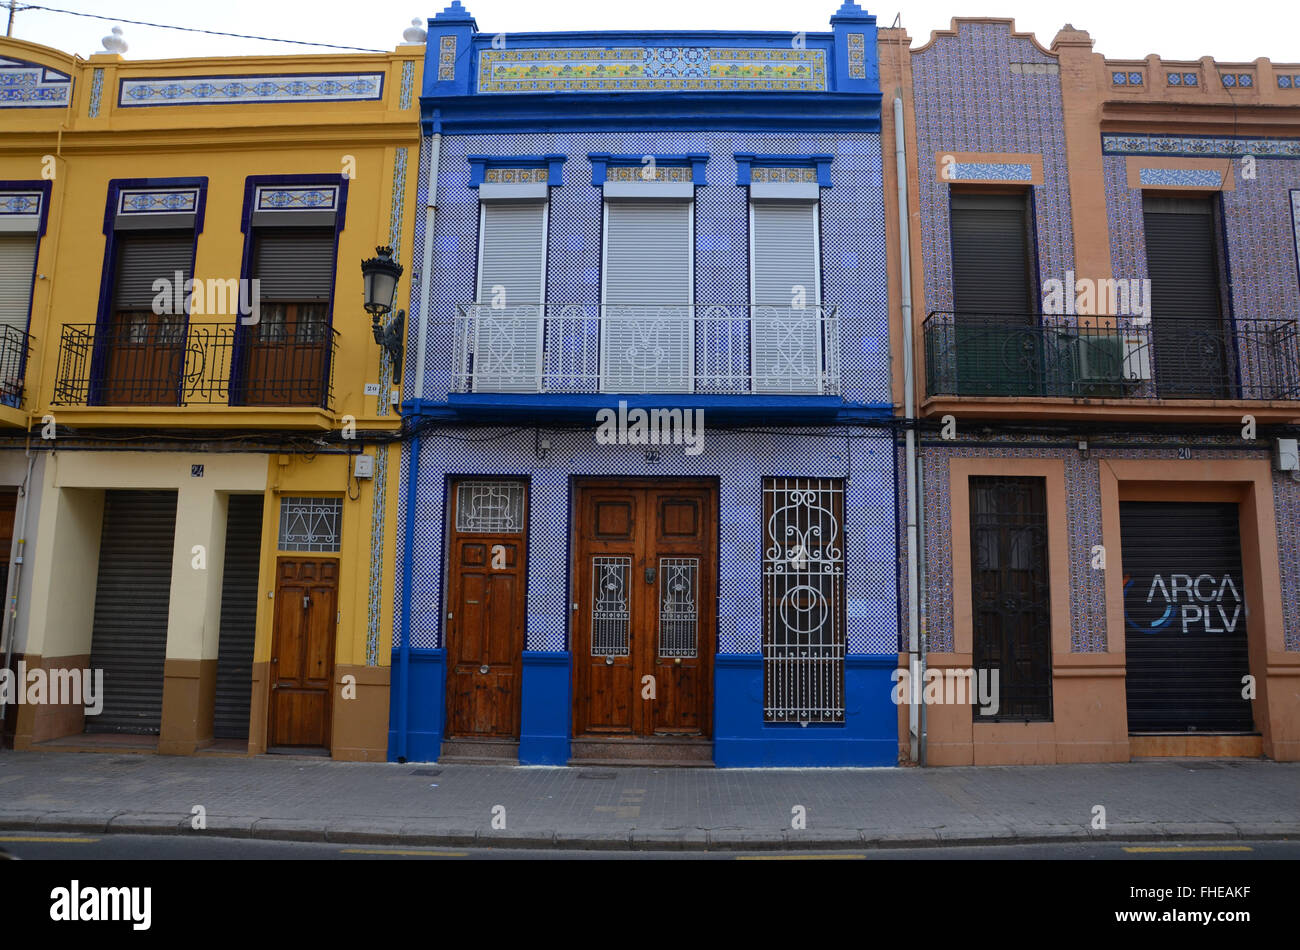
(35, 846)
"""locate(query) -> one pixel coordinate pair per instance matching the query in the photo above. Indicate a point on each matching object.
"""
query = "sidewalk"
(291, 798)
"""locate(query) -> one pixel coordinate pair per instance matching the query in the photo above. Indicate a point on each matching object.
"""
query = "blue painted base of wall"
(546, 709)
(425, 700)
(868, 737)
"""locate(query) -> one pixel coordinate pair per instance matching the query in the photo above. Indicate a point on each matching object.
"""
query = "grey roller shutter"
(512, 274)
(990, 257)
(146, 256)
(1185, 617)
(17, 265)
(294, 264)
(647, 330)
(132, 595)
(238, 617)
(1188, 338)
(786, 355)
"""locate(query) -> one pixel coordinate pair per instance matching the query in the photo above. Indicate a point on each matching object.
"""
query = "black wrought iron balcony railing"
(166, 361)
(718, 349)
(15, 349)
(983, 354)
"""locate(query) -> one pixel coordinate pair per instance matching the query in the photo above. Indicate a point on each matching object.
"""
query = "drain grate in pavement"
(426, 772)
(597, 775)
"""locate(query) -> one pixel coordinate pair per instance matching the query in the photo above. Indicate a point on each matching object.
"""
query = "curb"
(407, 834)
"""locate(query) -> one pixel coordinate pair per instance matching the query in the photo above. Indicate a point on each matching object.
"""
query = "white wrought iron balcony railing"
(588, 348)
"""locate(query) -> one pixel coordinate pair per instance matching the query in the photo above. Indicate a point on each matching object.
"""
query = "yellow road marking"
(425, 854)
(801, 857)
(34, 840)
(1176, 849)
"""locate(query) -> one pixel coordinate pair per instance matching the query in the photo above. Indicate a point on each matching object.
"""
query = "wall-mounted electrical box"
(363, 466)
(1286, 455)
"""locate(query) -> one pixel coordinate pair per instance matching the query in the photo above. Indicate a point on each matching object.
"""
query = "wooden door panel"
(302, 653)
(635, 547)
(485, 633)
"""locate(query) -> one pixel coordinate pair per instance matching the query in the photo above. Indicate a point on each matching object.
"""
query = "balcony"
(1111, 358)
(712, 350)
(15, 348)
(168, 362)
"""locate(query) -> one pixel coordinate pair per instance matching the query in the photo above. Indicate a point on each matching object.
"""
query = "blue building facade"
(648, 498)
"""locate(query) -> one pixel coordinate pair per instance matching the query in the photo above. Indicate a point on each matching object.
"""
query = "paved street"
(462, 807)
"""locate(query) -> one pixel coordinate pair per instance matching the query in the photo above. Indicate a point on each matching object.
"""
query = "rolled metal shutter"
(294, 264)
(513, 252)
(132, 594)
(990, 257)
(647, 330)
(1188, 335)
(787, 340)
(146, 256)
(238, 617)
(17, 267)
(1185, 625)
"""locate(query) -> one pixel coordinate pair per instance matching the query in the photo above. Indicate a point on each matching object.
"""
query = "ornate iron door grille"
(803, 595)
(1010, 594)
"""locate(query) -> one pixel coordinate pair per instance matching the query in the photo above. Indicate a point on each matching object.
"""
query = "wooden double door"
(302, 654)
(644, 618)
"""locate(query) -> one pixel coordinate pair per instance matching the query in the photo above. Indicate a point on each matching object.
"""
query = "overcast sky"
(1122, 29)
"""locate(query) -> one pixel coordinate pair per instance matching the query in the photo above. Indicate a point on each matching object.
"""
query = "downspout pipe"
(7, 632)
(426, 271)
(404, 642)
(915, 644)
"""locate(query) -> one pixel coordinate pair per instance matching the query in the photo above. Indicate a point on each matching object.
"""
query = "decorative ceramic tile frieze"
(652, 69)
(857, 62)
(515, 176)
(784, 174)
(25, 85)
(219, 90)
(1288, 82)
(1200, 146)
(1190, 177)
(20, 204)
(992, 171)
(96, 92)
(167, 201)
(1237, 80)
(649, 172)
(446, 58)
(297, 198)
(1182, 79)
(408, 84)
(1126, 78)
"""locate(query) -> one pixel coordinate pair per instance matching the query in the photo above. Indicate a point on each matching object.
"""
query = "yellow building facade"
(198, 481)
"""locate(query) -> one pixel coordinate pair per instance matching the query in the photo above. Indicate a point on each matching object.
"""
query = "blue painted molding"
(417, 719)
(746, 162)
(688, 81)
(554, 165)
(545, 708)
(582, 407)
(601, 162)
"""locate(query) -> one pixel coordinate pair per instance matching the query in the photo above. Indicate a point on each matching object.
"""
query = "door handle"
(483, 668)
(306, 601)
(649, 575)
(609, 661)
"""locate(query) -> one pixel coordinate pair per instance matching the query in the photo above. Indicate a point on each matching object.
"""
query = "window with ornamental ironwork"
(310, 524)
(1010, 593)
(803, 600)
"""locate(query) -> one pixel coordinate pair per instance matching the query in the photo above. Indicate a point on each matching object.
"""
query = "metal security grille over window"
(495, 507)
(803, 596)
(1011, 602)
(310, 524)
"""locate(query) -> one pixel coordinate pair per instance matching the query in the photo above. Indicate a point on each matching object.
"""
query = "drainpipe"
(431, 203)
(915, 646)
(7, 633)
(404, 644)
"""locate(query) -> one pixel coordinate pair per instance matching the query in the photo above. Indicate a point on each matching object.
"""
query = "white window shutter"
(512, 273)
(785, 282)
(647, 327)
(17, 261)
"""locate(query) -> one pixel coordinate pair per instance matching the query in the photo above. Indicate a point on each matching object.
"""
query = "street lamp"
(379, 277)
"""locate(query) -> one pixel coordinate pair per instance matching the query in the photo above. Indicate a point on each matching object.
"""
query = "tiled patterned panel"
(1200, 146)
(207, 90)
(992, 171)
(1088, 632)
(969, 100)
(1182, 79)
(1192, 177)
(25, 85)
(739, 460)
(853, 236)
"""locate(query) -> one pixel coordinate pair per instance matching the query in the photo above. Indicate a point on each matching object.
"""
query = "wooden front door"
(302, 656)
(286, 355)
(146, 356)
(485, 608)
(643, 632)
